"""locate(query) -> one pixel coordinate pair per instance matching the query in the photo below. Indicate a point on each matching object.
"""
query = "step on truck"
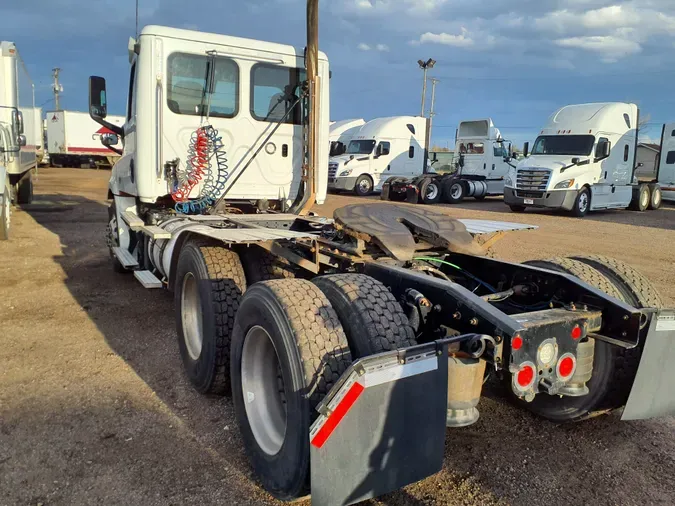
(18, 144)
(347, 344)
(481, 163)
(584, 159)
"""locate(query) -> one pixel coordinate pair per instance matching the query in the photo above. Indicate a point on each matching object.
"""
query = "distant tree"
(440, 149)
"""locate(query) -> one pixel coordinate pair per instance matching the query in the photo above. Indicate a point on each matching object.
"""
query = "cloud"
(378, 47)
(461, 40)
(610, 47)
(364, 47)
(382, 47)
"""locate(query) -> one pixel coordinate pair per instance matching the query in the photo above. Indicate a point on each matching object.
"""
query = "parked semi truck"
(348, 344)
(74, 139)
(380, 149)
(480, 167)
(17, 152)
(584, 160)
(341, 133)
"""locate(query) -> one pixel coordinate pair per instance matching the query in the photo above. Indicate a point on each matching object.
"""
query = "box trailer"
(74, 139)
(18, 144)
(348, 344)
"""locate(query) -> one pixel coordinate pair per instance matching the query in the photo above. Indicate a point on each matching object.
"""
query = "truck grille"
(532, 182)
(332, 169)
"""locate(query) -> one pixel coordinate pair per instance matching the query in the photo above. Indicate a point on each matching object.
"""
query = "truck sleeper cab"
(583, 160)
(380, 149)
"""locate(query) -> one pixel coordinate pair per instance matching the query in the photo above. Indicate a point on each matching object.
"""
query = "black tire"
(210, 283)
(517, 209)
(370, 314)
(261, 265)
(112, 239)
(24, 190)
(614, 368)
(430, 191)
(582, 203)
(5, 212)
(655, 196)
(641, 198)
(482, 197)
(311, 355)
(454, 191)
(363, 186)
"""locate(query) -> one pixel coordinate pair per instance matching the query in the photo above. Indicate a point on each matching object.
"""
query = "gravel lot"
(94, 406)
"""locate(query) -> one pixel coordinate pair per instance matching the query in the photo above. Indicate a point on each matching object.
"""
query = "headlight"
(567, 183)
(508, 181)
(345, 172)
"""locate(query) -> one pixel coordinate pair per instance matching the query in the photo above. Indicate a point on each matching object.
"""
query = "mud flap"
(381, 427)
(652, 394)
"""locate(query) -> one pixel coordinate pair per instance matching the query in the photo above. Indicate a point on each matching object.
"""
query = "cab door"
(666, 174)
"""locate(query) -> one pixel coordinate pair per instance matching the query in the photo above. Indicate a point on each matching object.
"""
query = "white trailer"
(380, 149)
(584, 160)
(74, 139)
(347, 344)
(17, 131)
(341, 133)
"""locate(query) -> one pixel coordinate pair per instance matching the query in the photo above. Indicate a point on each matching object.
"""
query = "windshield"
(563, 145)
(360, 147)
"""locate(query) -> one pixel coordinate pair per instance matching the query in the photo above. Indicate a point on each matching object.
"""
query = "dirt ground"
(95, 408)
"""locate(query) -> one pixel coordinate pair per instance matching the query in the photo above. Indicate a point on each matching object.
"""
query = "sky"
(515, 61)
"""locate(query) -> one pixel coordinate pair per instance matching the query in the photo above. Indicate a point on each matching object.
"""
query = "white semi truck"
(480, 168)
(349, 344)
(17, 143)
(584, 160)
(380, 149)
(74, 139)
(341, 133)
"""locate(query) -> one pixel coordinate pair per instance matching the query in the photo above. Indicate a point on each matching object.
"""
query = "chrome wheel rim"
(645, 198)
(583, 202)
(432, 191)
(263, 390)
(456, 190)
(191, 316)
(657, 197)
(364, 185)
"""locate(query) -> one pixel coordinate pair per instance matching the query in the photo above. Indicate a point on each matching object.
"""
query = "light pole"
(425, 65)
(433, 103)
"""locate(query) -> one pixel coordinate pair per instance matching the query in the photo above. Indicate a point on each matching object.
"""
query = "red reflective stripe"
(88, 150)
(336, 416)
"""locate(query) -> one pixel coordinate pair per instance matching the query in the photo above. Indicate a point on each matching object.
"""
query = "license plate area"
(528, 201)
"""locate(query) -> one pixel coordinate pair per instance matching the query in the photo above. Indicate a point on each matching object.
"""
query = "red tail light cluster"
(566, 366)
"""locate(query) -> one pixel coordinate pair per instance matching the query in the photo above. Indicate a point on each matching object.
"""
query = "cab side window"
(131, 101)
(274, 93)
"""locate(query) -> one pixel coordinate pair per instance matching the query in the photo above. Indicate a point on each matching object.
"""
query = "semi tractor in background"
(584, 159)
(341, 133)
(348, 344)
(18, 145)
(380, 149)
(480, 167)
(74, 139)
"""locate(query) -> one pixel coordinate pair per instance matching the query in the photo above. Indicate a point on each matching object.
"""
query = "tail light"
(567, 364)
(525, 376)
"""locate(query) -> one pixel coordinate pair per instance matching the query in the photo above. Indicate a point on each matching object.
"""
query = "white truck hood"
(551, 162)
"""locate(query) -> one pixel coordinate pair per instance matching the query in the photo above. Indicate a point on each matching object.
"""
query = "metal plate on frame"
(477, 227)
(391, 433)
(652, 394)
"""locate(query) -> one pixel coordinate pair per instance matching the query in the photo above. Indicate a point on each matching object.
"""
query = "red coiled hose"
(197, 165)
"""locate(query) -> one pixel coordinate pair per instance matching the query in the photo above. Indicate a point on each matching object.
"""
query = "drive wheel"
(261, 265)
(430, 191)
(370, 314)
(656, 197)
(454, 191)
(210, 282)
(641, 198)
(5, 212)
(614, 368)
(582, 203)
(288, 350)
(363, 186)
(24, 190)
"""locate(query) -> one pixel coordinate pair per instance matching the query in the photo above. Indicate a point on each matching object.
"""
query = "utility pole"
(433, 102)
(57, 88)
(425, 66)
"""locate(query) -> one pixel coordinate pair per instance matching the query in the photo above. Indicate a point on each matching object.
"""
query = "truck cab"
(583, 159)
(382, 148)
(341, 133)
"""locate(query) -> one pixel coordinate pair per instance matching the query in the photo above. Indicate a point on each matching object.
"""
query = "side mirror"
(526, 149)
(17, 120)
(110, 140)
(21, 140)
(98, 103)
(640, 164)
(575, 161)
(602, 149)
(461, 161)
